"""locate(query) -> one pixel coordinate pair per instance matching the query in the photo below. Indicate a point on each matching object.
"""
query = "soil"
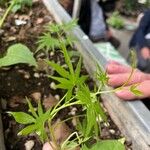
(20, 81)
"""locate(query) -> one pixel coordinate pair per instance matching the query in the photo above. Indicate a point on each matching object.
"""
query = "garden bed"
(20, 81)
(131, 117)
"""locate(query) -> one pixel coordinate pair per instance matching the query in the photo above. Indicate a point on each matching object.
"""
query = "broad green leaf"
(27, 130)
(17, 53)
(22, 117)
(108, 145)
(59, 69)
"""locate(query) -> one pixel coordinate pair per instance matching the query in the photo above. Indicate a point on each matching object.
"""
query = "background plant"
(116, 21)
(14, 6)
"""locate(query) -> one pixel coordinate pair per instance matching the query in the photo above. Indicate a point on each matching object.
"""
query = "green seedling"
(54, 33)
(14, 6)
(116, 21)
(77, 93)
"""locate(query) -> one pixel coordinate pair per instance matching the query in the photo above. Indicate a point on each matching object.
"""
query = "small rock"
(36, 75)
(105, 133)
(36, 96)
(39, 20)
(15, 101)
(49, 102)
(112, 131)
(52, 53)
(29, 145)
(3, 103)
(106, 124)
(47, 18)
(53, 85)
(73, 111)
(61, 131)
(20, 22)
(42, 65)
(1, 32)
(11, 38)
(39, 84)
(57, 97)
(74, 121)
(27, 76)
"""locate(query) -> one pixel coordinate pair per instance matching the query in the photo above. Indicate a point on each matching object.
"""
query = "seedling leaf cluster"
(77, 94)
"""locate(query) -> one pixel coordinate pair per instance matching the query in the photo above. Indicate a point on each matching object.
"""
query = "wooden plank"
(132, 118)
(76, 8)
(2, 146)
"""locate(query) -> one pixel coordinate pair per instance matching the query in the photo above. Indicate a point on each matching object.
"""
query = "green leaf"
(102, 76)
(81, 80)
(135, 91)
(18, 53)
(84, 147)
(32, 109)
(63, 81)
(70, 145)
(61, 71)
(67, 59)
(22, 117)
(53, 28)
(40, 110)
(69, 25)
(16, 7)
(108, 145)
(46, 41)
(27, 130)
(78, 69)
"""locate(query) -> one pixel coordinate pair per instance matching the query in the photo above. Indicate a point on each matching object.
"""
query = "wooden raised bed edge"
(2, 145)
(132, 118)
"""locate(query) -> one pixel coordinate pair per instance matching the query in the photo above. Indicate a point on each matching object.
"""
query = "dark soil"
(20, 81)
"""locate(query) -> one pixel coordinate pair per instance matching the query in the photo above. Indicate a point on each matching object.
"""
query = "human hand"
(118, 75)
(47, 146)
(145, 52)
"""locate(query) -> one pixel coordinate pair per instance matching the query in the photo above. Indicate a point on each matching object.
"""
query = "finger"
(115, 69)
(47, 146)
(126, 94)
(114, 62)
(116, 80)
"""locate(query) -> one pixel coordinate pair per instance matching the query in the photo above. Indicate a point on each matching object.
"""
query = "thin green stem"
(53, 136)
(70, 119)
(54, 112)
(71, 135)
(7, 12)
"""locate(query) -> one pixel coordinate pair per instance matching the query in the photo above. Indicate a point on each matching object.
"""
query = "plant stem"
(54, 112)
(7, 12)
(52, 137)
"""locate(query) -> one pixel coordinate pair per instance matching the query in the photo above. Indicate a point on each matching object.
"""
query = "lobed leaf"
(22, 117)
